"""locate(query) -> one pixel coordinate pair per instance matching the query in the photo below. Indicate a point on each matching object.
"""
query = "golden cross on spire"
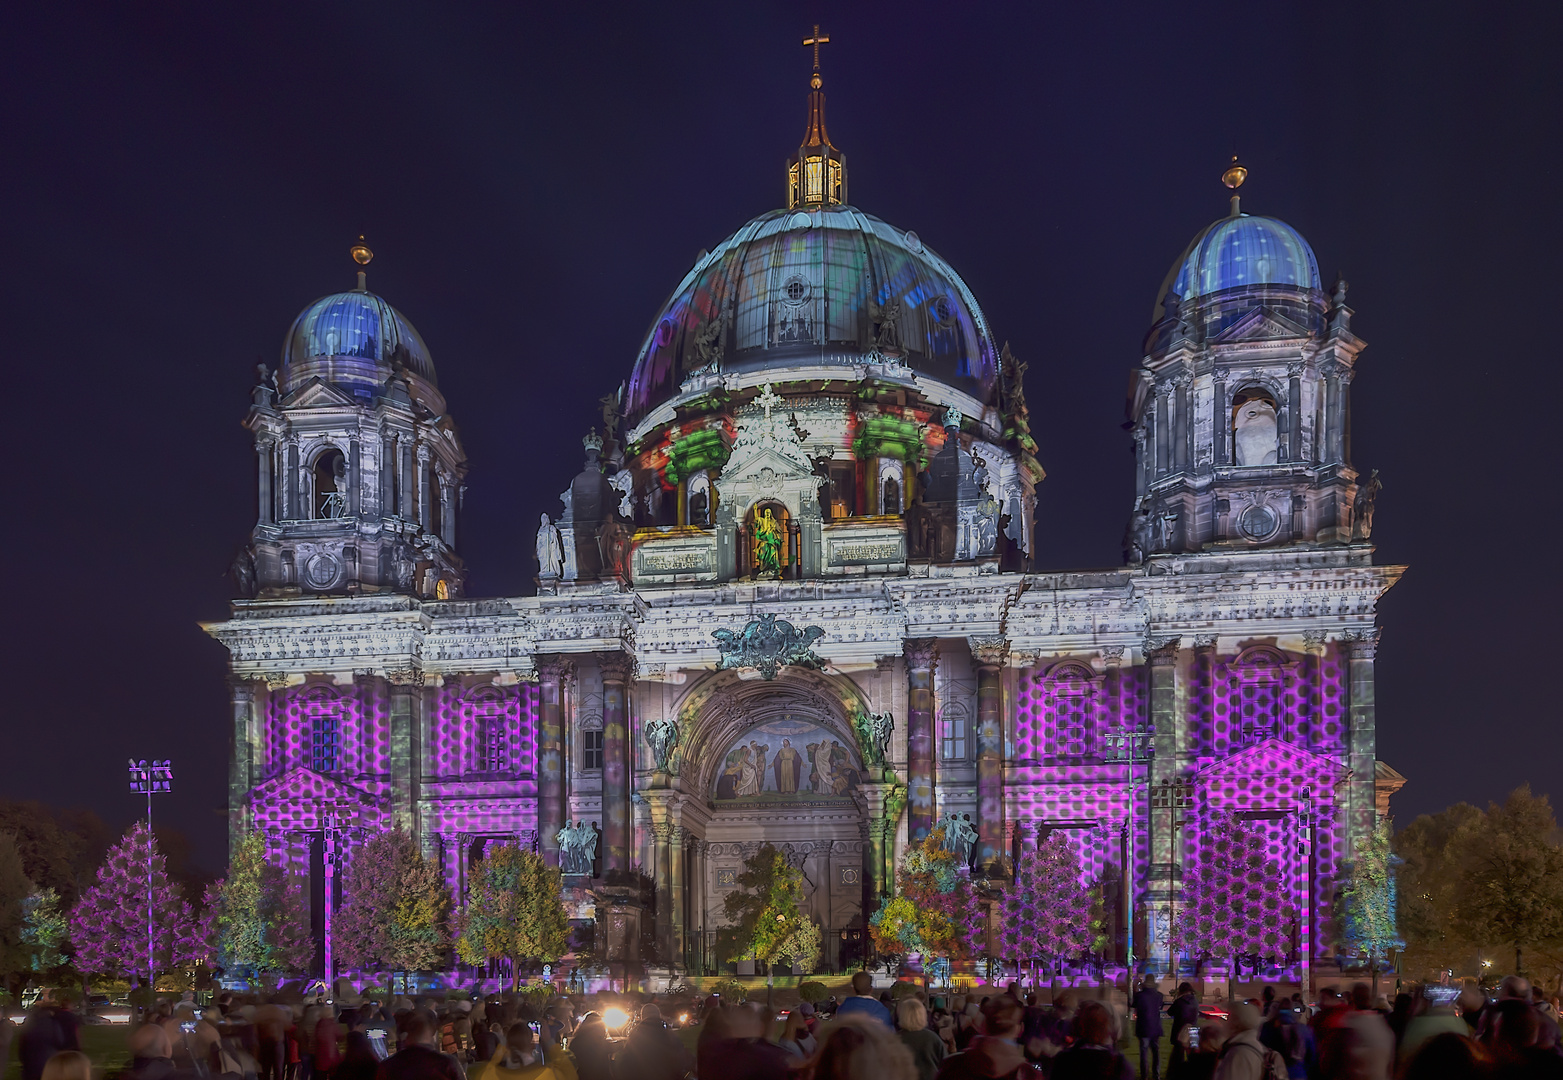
(816, 40)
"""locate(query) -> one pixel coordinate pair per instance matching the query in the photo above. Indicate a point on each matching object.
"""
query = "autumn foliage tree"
(1366, 898)
(1046, 913)
(514, 911)
(396, 908)
(935, 910)
(257, 918)
(109, 922)
(1235, 906)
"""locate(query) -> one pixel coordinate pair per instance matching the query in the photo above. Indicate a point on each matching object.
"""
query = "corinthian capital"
(922, 654)
(989, 651)
(617, 667)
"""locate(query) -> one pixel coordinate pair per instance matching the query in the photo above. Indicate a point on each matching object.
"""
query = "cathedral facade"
(792, 595)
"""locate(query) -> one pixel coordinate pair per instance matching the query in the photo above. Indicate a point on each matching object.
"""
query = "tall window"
(953, 730)
(1258, 674)
(1072, 712)
(591, 749)
(494, 738)
(325, 744)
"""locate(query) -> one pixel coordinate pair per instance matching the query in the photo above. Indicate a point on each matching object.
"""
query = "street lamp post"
(1134, 746)
(332, 829)
(1305, 908)
(154, 779)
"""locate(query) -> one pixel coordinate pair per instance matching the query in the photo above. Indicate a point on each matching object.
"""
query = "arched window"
(1072, 709)
(954, 733)
(1258, 676)
(322, 716)
(1255, 428)
(697, 500)
(330, 476)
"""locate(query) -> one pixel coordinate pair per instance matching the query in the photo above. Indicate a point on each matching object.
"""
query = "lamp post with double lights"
(1305, 876)
(1133, 746)
(156, 778)
(333, 830)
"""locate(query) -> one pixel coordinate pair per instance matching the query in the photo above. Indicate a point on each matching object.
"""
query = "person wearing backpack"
(1093, 1055)
(1244, 1057)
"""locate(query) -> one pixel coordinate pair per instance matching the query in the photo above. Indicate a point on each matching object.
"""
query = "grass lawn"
(106, 1044)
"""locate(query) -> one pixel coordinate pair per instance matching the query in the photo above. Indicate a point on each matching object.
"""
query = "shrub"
(903, 989)
(813, 992)
(731, 991)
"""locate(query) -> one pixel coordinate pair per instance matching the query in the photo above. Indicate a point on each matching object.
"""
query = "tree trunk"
(1373, 969)
(1518, 970)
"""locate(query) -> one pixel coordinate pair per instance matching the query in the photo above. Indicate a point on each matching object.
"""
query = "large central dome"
(805, 288)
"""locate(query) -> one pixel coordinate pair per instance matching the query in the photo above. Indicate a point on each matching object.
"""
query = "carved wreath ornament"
(768, 644)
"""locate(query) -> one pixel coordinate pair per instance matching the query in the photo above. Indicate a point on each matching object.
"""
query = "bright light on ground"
(615, 1018)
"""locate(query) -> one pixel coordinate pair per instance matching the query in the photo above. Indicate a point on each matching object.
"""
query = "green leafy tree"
(60, 850)
(1429, 886)
(1234, 904)
(1046, 913)
(396, 910)
(1366, 900)
(513, 911)
(45, 931)
(1511, 875)
(766, 912)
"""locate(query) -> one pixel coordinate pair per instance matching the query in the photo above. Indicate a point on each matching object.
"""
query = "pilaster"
(554, 673)
(922, 658)
(988, 657)
(616, 824)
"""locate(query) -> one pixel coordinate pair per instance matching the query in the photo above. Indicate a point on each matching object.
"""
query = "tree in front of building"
(935, 910)
(109, 923)
(396, 908)
(45, 931)
(1511, 874)
(766, 913)
(15, 888)
(256, 919)
(514, 911)
(1235, 905)
(1046, 913)
(1366, 901)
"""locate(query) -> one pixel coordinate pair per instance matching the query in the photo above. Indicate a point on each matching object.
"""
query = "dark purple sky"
(178, 181)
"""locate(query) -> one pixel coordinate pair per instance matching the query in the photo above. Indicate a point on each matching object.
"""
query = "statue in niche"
(892, 496)
(887, 333)
(873, 733)
(699, 507)
(1362, 507)
(613, 547)
(768, 541)
(709, 345)
(1255, 433)
(577, 848)
(550, 550)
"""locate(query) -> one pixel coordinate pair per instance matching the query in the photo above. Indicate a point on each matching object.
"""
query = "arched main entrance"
(775, 762)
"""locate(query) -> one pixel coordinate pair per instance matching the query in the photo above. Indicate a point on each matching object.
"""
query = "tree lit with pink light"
(109, 922)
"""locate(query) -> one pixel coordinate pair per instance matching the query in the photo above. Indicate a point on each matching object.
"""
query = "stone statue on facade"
(1362, 508)
(577, 848)
(550, 550)
(768, 644)
(873, 736)
(662, 736)
(708, 344)
(243, 572)
(887, 331)
(265, 386)
(623, 482)
(959, 836)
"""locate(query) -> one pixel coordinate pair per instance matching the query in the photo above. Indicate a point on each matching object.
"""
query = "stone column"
(263, 453)
(922, 658)
(661, 873)
(1183, 430)
(616, 824)
(1162, 656)
(387, 473)
(988, 655)
(1345, 414)
(1310, 694)
(553, 674)
(1221, 424)
(1163, 407)
(1361, 736)
(677, 837)
(1294, 412)
(355, 483)
(448, 510)
(406, 694)
(404, 500)
(247, 702)
(425, 489)
(290, 481)
(1332, 413)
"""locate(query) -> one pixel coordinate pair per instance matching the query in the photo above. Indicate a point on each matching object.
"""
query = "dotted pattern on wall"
(325, 730)
(293, 804)
(485, 731)
(1261, 693)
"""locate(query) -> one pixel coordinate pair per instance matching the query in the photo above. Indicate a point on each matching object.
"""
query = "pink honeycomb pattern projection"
(485, 731)
(1066, 713)
(327, 729)
(1264, 693)
(296, 802)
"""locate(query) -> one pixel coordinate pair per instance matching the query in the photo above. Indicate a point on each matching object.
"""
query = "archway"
(775, 762)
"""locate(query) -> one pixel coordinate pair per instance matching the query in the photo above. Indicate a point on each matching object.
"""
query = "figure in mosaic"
(787, 765)
(767, 545)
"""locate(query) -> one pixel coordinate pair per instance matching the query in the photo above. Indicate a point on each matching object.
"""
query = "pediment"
(298, 798)
(1260, 324)
(1269, 774)
(317, 393)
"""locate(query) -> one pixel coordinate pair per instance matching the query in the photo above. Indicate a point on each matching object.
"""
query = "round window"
(665, 331)
(1259, 522)
(795, 290)
(321, 571)
(942, 310)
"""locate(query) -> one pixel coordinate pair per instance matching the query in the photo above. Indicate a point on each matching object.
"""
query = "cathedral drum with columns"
(791, 597)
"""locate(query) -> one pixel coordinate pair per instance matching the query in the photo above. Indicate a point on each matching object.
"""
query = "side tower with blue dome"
(1240, 409)
(360, 468)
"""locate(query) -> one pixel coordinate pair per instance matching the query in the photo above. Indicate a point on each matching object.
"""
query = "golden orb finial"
(1235, 174)
(361, 252)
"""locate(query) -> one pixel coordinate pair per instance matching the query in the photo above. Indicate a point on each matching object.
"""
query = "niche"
(330, 485)
(1255, 431)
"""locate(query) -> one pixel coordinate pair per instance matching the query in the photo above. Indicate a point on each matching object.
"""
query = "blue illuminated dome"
(1240, 252)
(811, 288)
(354, 339)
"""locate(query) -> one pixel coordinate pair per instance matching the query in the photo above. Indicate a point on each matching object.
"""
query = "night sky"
(179, 181)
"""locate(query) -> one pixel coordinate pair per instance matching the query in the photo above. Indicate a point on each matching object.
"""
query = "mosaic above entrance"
(787, 759)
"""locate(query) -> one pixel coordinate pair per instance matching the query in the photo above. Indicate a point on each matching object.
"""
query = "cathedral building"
(792, 596)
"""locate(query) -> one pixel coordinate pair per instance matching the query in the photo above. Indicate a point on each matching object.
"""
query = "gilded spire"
(817, 174)
(1233, 178)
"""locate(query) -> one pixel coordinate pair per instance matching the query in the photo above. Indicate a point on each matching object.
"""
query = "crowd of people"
(1431, 1033)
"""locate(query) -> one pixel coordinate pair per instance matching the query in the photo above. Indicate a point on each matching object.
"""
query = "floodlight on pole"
(154, 778)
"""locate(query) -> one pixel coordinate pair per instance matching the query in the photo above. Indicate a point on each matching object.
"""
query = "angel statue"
(663, 737)
(767, 545)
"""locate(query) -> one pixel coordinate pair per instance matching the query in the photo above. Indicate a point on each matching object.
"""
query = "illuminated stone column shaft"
(263, 456)
(989, 656)
(922, 657)
(406, 715)
(616, 826)
(247, 702)
(554, 674)
(661, 871)
(1362, 734)
(676, 840)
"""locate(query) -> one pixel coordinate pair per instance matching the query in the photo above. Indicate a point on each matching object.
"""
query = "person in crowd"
(1512, 1036)
(191, 1037)
(589, 1046)
(360, 1062)
(326, 1042)
(272, 1021)
(1360, 1044)
(1428, 1019)
(1243, 1056)
(151, 1054)
(857, 1047)
(519, 1059)
(68, 1065)
(996, 1052)
(419, 1058)
(796, 1038)
(1148, 1004)
(1449, 1056)
(738, 1048)
(862, 1002)
(1092, 1055)
(1183, 1011)
(925, 1046)
(651, 1051)
(1202, 1046)
(47, 1030)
